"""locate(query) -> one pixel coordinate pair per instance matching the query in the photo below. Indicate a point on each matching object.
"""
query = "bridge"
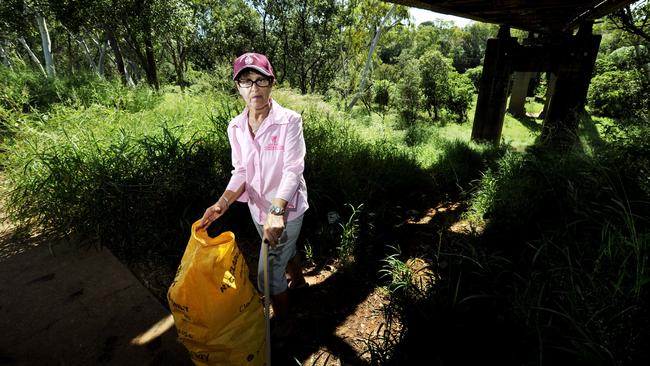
(560, 42)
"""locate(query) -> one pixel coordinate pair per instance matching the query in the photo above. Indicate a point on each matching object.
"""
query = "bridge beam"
(520, 85)
(493, 89)
(569, 59)
(573, 75)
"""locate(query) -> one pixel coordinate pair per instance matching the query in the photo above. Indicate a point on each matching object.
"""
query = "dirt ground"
(340, 317)
(336, 316)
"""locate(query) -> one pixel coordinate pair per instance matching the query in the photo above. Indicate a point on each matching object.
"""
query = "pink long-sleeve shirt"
(271, 164)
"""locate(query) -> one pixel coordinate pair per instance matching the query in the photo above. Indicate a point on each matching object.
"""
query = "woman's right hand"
(211, 214)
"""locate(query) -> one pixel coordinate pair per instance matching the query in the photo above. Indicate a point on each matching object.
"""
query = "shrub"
(560, 271)
(474, 74)
(410, 93)
(130, 181)
(615, 94)
(460, 164)
(434, 73)
(26, 91)
(461, 93)
(628, 148)
(382, 91)
(342, 168)
(624, 58)
(218, 80)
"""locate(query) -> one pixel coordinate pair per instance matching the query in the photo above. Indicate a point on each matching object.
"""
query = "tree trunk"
(32, 55)
(102, 59)
(47, 45)
(150, 59)
(152, 74)
(178, 55)
(119, 60)
(373, 44)
(134, 67)
(5, 58)
(89, 57)
(71, 61)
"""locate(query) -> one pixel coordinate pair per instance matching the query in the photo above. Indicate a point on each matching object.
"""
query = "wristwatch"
(275, 210)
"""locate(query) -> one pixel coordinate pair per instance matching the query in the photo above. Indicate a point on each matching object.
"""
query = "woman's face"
(255, 96)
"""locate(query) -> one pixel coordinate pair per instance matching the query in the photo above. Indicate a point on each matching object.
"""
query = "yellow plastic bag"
(217, 311)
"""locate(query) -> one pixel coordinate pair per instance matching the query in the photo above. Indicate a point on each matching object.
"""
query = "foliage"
(621, 83)
(461, 92)
(228, 29)
(24, 90)
(343, 168)
(59, 175)
(349, 236)
(443, 87)
(410, 93)
(460, 164)
(382, 91)
(615, 94)
(303, 40)
(555, 269)
(560, 269)
(474, 74)
(435, 69)
(474, 41)
(629, 149)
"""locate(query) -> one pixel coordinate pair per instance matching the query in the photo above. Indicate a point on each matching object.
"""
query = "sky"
(422, 15)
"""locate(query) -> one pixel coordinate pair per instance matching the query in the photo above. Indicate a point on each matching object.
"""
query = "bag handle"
(201, 236)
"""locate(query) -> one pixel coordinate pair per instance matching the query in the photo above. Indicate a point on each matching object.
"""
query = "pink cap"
(255, 61)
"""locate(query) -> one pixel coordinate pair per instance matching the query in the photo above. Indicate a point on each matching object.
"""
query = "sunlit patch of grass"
(519, 135)
(292, 99)
(380, 128)
(533, 106)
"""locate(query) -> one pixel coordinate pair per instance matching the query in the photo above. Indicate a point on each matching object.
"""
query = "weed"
(349, 236)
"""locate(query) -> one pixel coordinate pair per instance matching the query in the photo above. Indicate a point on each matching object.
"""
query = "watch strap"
(275, 210)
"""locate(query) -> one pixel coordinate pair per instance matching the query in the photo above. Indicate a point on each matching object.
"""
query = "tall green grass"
(559, 275)
(26, 91)
(130, 181)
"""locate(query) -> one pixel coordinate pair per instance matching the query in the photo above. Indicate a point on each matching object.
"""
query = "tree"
(634, 19)
(178, 30)
(99, 21)
(409, 90)
(623, 60)
(375, 39)
(382, 90)
(303, 40)
(224, 30)
(434, 71)
(17, 18)
(46, 44)
(615, 94)
(461, 90)
(473, 43)
(394, 41)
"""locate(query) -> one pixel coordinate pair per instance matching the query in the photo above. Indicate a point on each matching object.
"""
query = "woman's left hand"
(273, 228)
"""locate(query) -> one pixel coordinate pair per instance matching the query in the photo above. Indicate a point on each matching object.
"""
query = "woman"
(268, 154)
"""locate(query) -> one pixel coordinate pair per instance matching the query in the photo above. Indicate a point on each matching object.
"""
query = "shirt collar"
(274, 117)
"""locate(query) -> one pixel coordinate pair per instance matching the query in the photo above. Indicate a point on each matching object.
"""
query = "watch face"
(277, 210)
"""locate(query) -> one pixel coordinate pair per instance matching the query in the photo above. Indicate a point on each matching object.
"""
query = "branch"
(624, 20)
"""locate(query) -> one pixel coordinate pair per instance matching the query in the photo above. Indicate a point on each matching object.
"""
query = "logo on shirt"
(274, 145)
